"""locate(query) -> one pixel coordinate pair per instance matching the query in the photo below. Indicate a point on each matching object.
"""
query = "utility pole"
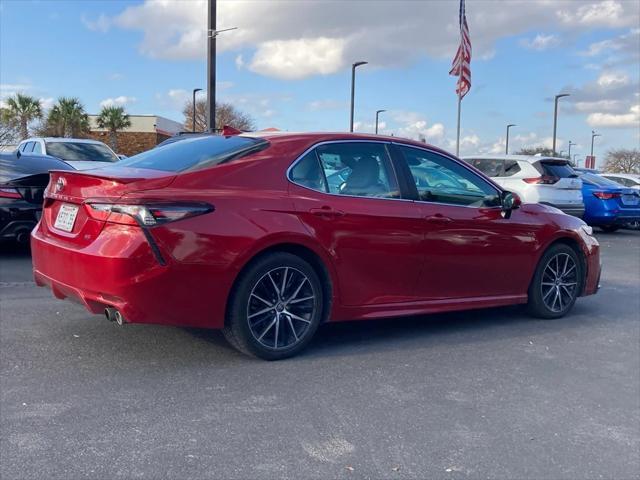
(211, 67)
(353, 89)
(555, 119)
(193, 124)
(570, 143)
(593, 135)
(378, 112)
(506, 148)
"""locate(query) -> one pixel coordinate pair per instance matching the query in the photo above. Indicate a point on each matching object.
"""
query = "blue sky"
(288, 64)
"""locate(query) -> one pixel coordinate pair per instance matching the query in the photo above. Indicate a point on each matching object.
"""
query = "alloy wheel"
(281, 308)
(559, 282)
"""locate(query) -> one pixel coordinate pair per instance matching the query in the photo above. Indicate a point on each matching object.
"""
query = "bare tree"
(623, 161)
(9, 130)
(544, 151)
(226, 115)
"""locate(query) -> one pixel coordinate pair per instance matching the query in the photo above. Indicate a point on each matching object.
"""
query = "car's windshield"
(598, 180)
(85, 152)
(195, 153)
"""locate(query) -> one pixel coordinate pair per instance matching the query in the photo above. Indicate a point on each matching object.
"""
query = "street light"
(353, 89)
(571, 143)
(506, 148)
(193, 124)
(574, 159)
(378, 112)
(593, 135)
(555, 119)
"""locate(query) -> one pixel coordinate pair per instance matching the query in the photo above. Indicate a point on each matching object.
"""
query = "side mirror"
(510, 201)
(18, 154)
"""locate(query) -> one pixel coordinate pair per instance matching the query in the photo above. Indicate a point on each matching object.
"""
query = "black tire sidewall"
(536, 305)
(237, 318)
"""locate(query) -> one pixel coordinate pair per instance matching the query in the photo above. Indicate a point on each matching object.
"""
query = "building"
(145, 132)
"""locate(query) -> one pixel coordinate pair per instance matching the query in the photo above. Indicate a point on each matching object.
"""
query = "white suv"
(79, 153)
(535, 179)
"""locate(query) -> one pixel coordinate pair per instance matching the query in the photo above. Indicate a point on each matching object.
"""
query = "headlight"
(587, 229)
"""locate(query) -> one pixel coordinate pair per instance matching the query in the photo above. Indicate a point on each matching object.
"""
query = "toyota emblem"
(60, 184)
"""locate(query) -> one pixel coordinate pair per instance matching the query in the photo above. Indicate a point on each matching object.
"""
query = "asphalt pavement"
(481, 394)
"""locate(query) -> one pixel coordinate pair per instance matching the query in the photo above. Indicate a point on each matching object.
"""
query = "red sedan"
(268, 236)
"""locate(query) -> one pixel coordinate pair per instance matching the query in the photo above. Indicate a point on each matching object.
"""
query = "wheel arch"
(317, 260)
(575, 246)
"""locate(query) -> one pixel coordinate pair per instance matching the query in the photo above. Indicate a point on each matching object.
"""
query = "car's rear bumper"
(119, 270)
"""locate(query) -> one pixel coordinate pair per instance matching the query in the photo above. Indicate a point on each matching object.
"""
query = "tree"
(226, 114)
(544, 151)
(623, 161)
(8, 129)
(113, 119)
(67, 118)
(21, 110)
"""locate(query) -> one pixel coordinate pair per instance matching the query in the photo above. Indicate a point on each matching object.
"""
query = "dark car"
(23, 180)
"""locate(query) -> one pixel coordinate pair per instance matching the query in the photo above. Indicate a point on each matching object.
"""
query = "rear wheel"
(275, 308)
(609, 228)
(556, 283)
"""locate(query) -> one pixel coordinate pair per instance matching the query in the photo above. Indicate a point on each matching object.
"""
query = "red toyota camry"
(268, 236)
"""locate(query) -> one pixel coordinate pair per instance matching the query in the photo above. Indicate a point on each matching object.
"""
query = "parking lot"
(476, 394)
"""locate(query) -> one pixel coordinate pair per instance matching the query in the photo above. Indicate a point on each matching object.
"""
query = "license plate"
(630, 199)
(66, 217)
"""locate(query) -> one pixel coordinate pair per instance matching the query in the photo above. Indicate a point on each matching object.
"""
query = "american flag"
(461, 66)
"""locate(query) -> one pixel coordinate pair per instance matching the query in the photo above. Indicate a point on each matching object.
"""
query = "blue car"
(608, 204)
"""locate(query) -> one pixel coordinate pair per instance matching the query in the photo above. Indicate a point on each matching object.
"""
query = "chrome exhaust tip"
(109, 312)
(118, 318)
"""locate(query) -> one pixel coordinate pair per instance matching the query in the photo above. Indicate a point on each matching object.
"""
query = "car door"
(347, 196)
(471, 249)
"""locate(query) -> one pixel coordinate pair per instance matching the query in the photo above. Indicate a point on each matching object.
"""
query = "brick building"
(145, 132)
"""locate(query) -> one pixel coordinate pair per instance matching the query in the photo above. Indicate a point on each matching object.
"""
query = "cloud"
(101, 24)
(117, 101)
(609, 80)
(47, 103)
(541, 42)
(611, 120)
(279, 39)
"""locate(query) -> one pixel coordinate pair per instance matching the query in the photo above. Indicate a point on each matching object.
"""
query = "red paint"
(384, 257)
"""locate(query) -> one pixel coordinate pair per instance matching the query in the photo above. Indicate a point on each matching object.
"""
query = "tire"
(553, 296)
(267, 320)
(609, 228)
(635, 225)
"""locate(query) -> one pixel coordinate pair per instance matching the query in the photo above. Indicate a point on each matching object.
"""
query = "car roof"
(633, 176)
(518, 158)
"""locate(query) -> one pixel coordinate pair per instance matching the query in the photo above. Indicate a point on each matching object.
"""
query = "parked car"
(627, 179)
(22, 184)
(608, 204)
(244, 233)
(79, 153)
(535, 179)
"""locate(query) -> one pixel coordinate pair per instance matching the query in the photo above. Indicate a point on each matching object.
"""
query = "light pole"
(593, 135)
(506, 148)
(193, 124)
(353, 89)
(574, 159)
(378, 112)
(555, 119)
(570, 143)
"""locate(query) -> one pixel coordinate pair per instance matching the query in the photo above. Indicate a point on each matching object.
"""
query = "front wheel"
(275, 308)
(556, 283)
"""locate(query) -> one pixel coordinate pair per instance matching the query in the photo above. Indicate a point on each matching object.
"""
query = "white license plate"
(66, 217)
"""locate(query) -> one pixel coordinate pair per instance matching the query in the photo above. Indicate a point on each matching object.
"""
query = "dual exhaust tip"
(114, 315)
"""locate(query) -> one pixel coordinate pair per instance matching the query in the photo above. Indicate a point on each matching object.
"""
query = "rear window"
(598, 180)
(196, 153)
(490, 167)
(557, 169)
(81, 152)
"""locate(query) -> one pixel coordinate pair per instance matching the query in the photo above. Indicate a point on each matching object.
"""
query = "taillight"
(9, 193)
(543, 180)
(146, 215)
(607, 195)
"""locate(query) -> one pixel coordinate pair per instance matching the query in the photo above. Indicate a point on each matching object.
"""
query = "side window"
(491, 168)
(441, 180)
(37, 148)
(511, 167)
(360, 169)
(28, 148)
(307, 172)
(21, 147)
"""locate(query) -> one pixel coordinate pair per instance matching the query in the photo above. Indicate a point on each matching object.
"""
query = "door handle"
(438, 218)
(326, 212)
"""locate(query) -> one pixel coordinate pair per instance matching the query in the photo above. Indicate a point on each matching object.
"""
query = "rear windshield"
(558, 169)
(195, 153)
(85, 152)
(598, 180)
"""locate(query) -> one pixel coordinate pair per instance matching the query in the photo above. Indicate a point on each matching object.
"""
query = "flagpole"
(458, 134)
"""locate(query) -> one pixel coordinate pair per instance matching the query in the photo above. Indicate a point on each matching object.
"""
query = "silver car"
(79, 153)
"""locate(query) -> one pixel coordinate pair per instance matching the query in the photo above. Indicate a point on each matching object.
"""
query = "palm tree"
(67, 118)
(22, 109)
(113, 119)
